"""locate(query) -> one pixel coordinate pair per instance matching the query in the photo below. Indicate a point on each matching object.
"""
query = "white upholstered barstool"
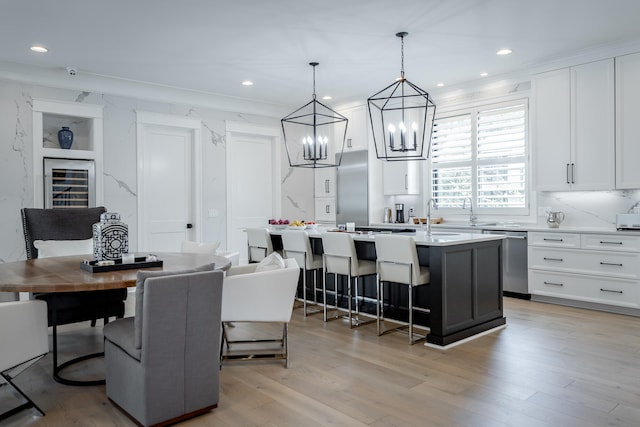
(397, 263)
(339, 258)
(296, 244)
(259, 244)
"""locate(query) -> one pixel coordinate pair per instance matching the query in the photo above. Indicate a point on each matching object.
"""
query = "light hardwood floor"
(551, 366)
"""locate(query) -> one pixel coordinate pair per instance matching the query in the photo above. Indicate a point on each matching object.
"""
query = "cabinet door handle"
(568, 180)
(554, 240)
(349, 143)
(604, 242)
(573, 173)
(553, 259)
(553, 284)
(611, 291)
(326, 186)
(610, 263)
(327, 208)
(406, 181)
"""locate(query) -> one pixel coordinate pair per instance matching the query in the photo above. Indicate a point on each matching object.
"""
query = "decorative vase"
(110, 237)
(65, 137)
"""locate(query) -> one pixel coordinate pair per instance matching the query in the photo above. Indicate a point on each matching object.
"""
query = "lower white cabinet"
(326, 210)
(594, 268)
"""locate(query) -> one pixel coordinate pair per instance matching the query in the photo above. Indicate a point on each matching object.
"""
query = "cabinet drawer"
(325, 209)
(611, 242)
(585, 288)
(614, 264)
(558, 240)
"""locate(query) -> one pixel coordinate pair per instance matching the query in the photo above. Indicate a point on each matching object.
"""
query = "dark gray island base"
(465, 293)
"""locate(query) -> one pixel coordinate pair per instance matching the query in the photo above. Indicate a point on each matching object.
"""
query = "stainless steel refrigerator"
(352, 189)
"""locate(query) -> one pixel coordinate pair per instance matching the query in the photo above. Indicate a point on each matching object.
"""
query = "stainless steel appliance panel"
(514, 263)
(352, 192)
(69, 183)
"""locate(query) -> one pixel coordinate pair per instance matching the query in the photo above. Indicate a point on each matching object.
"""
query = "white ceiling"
(211, 46)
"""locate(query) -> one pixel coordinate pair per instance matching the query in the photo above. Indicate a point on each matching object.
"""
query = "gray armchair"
(70, 224)
(164, 365)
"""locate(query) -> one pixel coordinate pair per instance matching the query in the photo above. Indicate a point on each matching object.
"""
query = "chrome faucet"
(472, 217)
(430, 202)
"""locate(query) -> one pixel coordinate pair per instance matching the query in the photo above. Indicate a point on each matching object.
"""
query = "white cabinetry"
(85, 121)
(325, 210)
(592, 268)
(357, 129)
(401, 177)
(325, 182)
(325, 193)
(574, 128)
(627, 121)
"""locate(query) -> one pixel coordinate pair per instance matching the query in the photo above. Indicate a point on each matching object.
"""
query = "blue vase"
(65, 137)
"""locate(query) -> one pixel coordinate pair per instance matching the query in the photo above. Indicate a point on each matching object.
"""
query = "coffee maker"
(400, 212)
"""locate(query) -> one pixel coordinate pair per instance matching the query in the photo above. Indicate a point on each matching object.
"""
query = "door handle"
(326, 186)
(406, 181)
(189, 225)
(327, 208)
(573, 173)
(568, 180)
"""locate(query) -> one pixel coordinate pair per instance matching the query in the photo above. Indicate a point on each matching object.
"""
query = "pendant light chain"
(402, 55)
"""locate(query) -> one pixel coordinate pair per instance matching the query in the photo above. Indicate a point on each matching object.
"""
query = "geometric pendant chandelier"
(401, 118)
(314, 134)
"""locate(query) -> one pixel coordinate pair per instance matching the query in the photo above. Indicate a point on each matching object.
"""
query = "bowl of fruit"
(279, 224)
(297, 225)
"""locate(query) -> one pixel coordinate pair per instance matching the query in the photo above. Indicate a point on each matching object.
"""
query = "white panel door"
(167, 188)
(250, 187)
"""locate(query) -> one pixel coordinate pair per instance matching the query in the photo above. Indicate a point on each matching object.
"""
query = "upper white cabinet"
(357, 129)
(574, 129)
(401, 177)
(628, 121)
(325, 182)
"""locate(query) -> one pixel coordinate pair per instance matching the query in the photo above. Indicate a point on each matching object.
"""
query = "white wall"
(120, 189)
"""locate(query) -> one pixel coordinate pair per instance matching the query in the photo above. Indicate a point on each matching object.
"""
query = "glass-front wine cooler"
(69, 184)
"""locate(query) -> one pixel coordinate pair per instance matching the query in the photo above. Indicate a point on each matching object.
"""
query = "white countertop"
(514, 227)
(437, 238)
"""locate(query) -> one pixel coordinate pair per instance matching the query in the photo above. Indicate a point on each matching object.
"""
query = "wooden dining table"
(64, 274)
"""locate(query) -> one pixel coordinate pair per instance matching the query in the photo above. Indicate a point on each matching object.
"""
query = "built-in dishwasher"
(514, 263)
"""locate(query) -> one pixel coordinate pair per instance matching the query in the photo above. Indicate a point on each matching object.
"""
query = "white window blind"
(481, 155)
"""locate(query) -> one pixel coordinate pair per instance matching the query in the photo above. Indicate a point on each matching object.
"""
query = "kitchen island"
(465, 293)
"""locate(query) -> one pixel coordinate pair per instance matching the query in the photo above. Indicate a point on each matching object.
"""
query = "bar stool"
(397, 263)
(296, 244)
(340, 258)
(259, 244)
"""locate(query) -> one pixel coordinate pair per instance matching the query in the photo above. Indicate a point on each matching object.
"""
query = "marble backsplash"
(589, 208)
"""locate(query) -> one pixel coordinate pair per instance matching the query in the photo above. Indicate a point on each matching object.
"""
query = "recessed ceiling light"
(504, 52)
(440, 84)
(484, 74)
(327, 97)
(247, 83)
(39, 49)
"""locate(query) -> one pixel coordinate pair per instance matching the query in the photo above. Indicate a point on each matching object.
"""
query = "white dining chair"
(259, 244)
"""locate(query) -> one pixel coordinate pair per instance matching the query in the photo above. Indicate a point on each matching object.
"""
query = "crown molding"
(88, 82)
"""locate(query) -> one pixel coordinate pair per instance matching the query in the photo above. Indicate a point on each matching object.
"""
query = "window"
(481, 154)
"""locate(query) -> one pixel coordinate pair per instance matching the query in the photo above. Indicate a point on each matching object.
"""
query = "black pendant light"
(314, 134)
(401, 117)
